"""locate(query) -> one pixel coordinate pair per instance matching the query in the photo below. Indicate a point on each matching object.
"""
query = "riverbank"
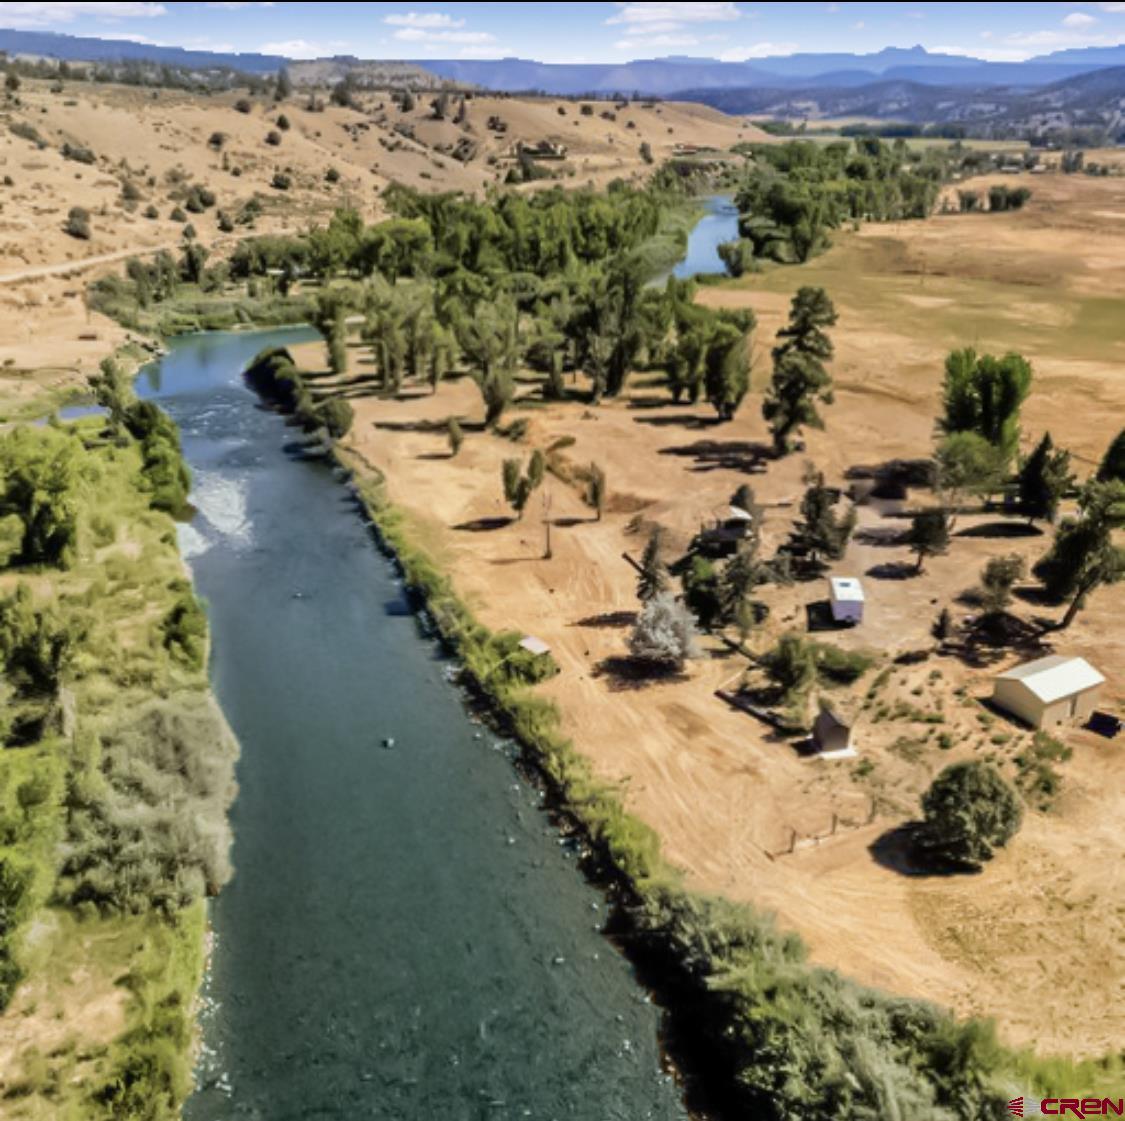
(117, 777)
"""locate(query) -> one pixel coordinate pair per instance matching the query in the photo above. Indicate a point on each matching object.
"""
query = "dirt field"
(1037, 940)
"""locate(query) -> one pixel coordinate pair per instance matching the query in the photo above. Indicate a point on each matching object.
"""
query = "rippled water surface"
(405, 936)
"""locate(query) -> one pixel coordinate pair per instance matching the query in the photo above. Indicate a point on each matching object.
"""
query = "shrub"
(281, 181)
(664, 633)
(216, 140)
(150, 211)
(455, 435)
(969, 811)
(273, 137)
(283, 122)
(77, 153)
(243, 105)
(78, 223)
(184, 630)
(27, 132)
(332, 175)
(337, 416)
(177, 215)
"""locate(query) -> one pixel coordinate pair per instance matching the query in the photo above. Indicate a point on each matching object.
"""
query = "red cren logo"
(1015, 1107)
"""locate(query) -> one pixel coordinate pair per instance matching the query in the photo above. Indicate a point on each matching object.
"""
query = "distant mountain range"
(666, 76)
(1092, 102)
(799, 73)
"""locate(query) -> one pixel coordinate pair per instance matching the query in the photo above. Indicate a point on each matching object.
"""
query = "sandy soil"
(1037, 939)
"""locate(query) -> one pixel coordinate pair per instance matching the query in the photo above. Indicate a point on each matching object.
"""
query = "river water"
(405, 936)
(718, 224)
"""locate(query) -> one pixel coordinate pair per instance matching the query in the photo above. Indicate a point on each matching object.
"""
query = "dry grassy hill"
(156, 145)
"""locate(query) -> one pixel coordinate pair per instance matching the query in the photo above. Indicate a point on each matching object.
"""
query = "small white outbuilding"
(1052, 690)
(845, 594)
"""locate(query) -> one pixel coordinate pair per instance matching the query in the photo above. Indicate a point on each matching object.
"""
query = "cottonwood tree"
(518, 486)
(726, 374)
(654, 578)
(983, 394)
(329, 318)
(800, 379)
(1044, 478)
(928, 535)
(490, 343)
(967, 464)
(664, 634)
(1084, 555)
(969, 812)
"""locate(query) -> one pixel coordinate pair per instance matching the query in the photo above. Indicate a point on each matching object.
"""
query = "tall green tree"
(928, 535)
(1045, 477)
(727, 369)
(1112, 465)
(490, 343)
(800, 378)
(1084, 555)
(983, 394)
(819, 530)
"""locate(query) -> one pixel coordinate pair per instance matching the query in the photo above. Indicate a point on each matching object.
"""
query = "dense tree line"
(796, 193)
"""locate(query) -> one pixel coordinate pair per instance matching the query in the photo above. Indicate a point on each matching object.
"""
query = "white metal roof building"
(1049, 690)
(845, 595)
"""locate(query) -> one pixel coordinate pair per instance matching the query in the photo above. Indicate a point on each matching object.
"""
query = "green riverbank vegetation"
(116, 769)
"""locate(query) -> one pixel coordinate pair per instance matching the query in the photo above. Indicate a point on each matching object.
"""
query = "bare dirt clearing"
(1040, 933)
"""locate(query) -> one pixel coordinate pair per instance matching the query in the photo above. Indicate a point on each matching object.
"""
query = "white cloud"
(646, 42)
(425, 35)
(641, 17)
(757, 50)
(1078, 19)
(301, 48)
(234, 5)
(859, 25)
(30, 16)
(423, 19)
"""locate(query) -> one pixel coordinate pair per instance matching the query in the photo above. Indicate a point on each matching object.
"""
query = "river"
(406, 936)
(718, 224)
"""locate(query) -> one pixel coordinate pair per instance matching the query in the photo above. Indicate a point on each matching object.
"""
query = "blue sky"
(587, 32)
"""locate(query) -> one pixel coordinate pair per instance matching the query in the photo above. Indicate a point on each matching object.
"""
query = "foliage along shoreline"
(119, 765)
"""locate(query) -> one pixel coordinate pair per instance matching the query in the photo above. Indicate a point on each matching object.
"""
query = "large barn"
(1052, 690)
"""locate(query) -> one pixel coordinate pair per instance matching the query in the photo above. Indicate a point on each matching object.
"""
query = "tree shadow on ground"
(432, 426)
(624, 673)
(608, 619)
(881, 537)
(893, 570)
(897, 850)
(1000, 530)
(733, 455)
(433, 456)
(484, 525)
(681, 420)
(989, 638)
(567, 523)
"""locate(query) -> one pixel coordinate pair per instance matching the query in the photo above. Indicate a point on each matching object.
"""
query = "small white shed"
(845, 594)
(1052, 690)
